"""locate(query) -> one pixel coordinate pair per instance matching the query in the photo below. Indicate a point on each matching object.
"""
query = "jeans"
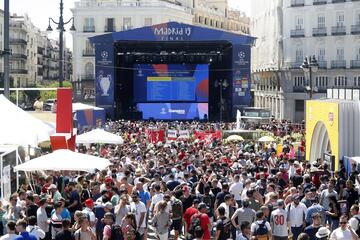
(296, 232)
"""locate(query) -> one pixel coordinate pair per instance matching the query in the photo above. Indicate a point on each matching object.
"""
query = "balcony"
(355, 29)
(297, 3)
(299, 89)
(319, 32)
(124, 28)
(88, 77)
(336, 64)
(294, 65)
(18, 56)
(18, 71)
(355, 63)
(15, 41)
(110, 28)
(338, 30)
(338, 1)
(89, 29)
(322, 64)
(89, 52)
(298, 33)
(319, 2)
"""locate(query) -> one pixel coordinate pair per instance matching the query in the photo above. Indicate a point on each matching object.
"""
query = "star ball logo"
(241, 55)
(104, 54)
(242, 59)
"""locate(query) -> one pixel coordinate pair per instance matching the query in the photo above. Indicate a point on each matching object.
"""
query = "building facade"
(326, 29)
(96, 17)
(34, 58)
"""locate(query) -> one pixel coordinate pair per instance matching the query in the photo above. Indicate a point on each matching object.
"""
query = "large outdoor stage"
(172, 71)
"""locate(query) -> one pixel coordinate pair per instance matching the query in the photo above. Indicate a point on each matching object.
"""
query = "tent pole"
(17, 172)
(2, 177)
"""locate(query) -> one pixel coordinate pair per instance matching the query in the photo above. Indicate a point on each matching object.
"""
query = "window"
(299, 23)
(89, 69)
(321, 21)
(340, 81)
(299, 56)
(357, 81)
(127, 23)
(89, 22)
(88, 45)
(357, 57)
(110, 24)
(357, 18)
(321, 54)
(148, 21)
(340, 19)
(299, 105)
(299, 81)
(340, 54)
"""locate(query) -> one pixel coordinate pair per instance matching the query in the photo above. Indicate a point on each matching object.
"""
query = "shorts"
(176, 225)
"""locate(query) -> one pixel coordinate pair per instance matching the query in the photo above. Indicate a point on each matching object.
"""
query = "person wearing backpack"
(354, 221)
(261, 229)
(176, 216)
(112, 231)
(200, 219)
(223, 225)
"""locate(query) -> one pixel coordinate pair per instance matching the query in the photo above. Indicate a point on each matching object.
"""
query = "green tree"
(45, 95)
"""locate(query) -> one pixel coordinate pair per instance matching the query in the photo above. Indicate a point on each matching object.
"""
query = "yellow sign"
(322, 130)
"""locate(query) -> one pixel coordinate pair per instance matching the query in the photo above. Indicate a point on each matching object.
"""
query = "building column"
(276, 108)
(281, 108)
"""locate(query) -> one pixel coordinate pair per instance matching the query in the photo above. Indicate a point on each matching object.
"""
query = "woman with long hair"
(128, 227)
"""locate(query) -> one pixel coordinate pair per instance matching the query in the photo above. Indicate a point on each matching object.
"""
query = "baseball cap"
(52, 186)
(89, 202)
(108, 205)
(280, 202)
(201, 206)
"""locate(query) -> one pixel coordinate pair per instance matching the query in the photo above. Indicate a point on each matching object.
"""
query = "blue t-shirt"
(311, 231)
(65, 214)
(144, 196)
(26, 236)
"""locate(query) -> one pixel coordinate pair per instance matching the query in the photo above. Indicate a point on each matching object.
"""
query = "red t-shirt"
(188, 214)
(204, 222)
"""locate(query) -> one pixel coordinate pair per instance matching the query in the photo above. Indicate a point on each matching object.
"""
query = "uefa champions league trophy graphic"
(104, 84)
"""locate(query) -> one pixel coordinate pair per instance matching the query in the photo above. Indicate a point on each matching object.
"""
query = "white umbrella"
(99, 136)
(266, 139)
(64, 159)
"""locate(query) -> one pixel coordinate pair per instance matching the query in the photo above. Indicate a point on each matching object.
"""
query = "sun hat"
(322, 232)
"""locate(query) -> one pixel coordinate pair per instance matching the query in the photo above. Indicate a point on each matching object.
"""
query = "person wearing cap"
(322, 234)
(89, 206)
(189, 212)
(56, 195)
(312, 229)
(296, 216)
(138, 208)
(344, 232)
(279, 223)
(56, 219)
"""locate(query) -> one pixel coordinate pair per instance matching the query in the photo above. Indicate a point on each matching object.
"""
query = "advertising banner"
(172, 134)
(184, 134)
(154, 135)
(208, 137)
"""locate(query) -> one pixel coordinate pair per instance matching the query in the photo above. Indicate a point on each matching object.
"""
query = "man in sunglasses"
(344, 232)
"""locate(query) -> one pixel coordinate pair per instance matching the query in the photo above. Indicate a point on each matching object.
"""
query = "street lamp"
(222, 84)
(61, 29)
(311, 67)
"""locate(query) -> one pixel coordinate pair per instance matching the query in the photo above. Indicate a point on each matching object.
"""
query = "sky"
(40, 10)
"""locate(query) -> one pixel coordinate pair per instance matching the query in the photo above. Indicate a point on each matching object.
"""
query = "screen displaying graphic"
(173, 111)
(171, 82)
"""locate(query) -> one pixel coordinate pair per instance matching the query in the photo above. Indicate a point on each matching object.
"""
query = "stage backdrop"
(172, 31)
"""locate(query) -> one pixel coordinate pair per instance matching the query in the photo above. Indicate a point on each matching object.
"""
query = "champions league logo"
(104, 58)
(140, 74)
(163, 111)
(242, 59)
(104, 55)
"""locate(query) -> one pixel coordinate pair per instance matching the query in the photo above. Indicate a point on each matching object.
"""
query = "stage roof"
(173, 31)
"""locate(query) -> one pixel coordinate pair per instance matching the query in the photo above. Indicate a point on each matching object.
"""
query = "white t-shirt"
(227, 210)
(279, 223)
(36, 231)
(155, 199)
(236, 189)
(10, 236)
(339, 234)
(354, 223)
(137, 209)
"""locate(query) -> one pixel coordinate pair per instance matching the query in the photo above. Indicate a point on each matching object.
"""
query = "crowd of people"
(188, 189)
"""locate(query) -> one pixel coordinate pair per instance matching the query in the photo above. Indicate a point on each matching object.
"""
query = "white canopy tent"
(99, 136)
(64, 160)
(82, 106)
(19, 127)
